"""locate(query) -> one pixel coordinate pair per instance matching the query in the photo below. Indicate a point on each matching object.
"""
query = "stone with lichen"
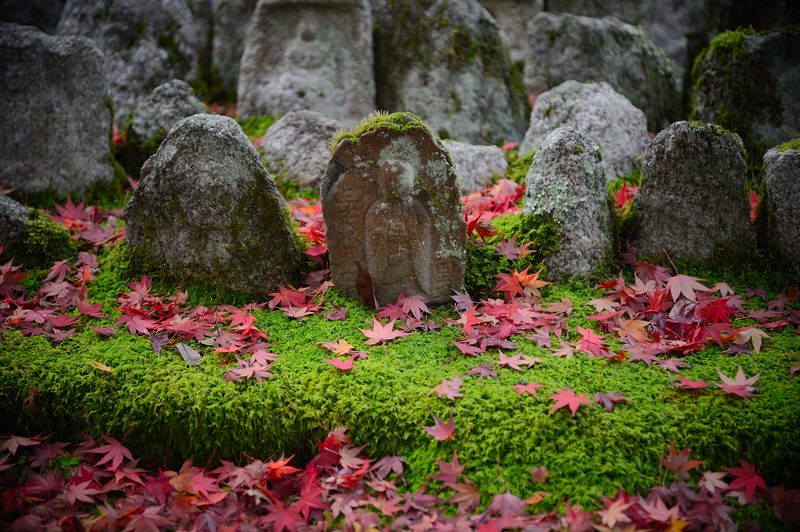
(566, 183)
(308, 55)
(600, 113)
(782, 179)
(207, 210)
(564, 47)
(54, 121)
(749, 83)
(693, 201)
(13, 217)
(449, 63)
(393, 211)
(296, 146)
(145, 43)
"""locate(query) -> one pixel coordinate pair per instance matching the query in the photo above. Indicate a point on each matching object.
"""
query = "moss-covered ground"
(167, 411)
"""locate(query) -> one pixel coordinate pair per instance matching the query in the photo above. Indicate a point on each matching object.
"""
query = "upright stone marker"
(391, 203)
(693, 202)
(54, 121)
(307, 54)
(567, 183)
(782, 177)
(207, 210)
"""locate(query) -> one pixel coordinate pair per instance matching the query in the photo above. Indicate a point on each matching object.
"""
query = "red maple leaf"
(341, 365)
(684, 285)
(746, 479)
(113, 452)
(281, 517)
(686, 384)
(679, 462)
(741, 385)
(136, 323)
(441, 430)
(716, 310)
(381, 333)
(449, 388)
(529, 388)
(414, 305)
(754, 201)
(568, 398)
(278, 469)
(591, 343)
(510, 250)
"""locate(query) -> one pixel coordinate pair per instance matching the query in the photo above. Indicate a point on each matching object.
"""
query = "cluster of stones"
(208, 209)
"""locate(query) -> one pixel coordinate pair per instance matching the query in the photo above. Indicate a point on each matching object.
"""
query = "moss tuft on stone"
(793, 144)
(43, 243)
(395, 122)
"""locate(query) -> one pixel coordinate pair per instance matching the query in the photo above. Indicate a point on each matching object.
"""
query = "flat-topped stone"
(207, 210)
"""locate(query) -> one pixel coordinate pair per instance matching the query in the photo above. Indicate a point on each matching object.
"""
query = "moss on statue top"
(793, 144)
(395, 122)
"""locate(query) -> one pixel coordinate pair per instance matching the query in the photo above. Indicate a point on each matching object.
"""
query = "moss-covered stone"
(207, 211)
(42, 242)
(763, 113)
(447, 62)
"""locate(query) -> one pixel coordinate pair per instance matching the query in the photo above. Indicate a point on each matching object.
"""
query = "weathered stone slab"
(392, 208)
(306, 54)
(693, 202)
(750, 84)
(168, 104)
(207, 210)
(564, 47)
(54, 119)
(512, 16)
(448, 62)
(566, 183)
(231, 17)
(476, 165)
(145, 43)
(13, 217)
(782, 177)
(598, 112)
(298, 146)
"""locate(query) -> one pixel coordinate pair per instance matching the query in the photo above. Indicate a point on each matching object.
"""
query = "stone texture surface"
(564, 47)
(693, 202)
(298, 146)
(13, 218)
(566, 182)
(476, 165)
(782, 177)
(750, 84)
(512, 16)
(206, 209)
(43, 14)
(305, 54)
(597, 111)
(448, 62)
(145, 42)
(54, 122)
(231, 17)
(392, 207)
(169, 103)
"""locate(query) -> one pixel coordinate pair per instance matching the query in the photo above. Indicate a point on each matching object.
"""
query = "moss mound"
(395, 122)
(168, 411)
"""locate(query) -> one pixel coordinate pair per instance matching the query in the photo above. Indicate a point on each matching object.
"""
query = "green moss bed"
(167, 411)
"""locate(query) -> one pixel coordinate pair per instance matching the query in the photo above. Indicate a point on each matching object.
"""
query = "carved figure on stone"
(391, 204)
